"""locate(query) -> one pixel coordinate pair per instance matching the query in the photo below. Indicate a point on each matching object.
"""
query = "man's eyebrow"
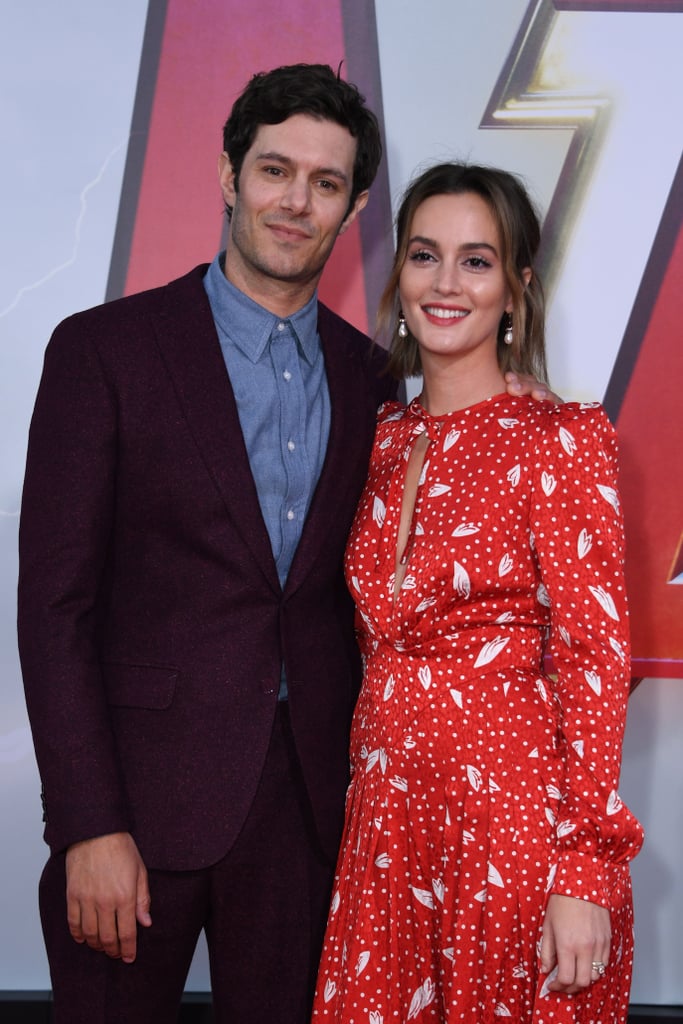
(323, 172)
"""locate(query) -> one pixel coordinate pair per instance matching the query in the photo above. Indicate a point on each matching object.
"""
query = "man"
(195, 457)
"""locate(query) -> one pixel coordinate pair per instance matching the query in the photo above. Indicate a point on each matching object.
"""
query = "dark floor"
(34, 1008)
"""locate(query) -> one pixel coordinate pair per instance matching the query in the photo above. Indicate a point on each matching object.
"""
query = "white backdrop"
(68, 77)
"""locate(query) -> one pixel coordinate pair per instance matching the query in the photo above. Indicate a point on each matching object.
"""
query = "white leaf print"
(567, 441)
(550, 816)
(389, 688)
(610, 495)
(519, 971)
(465, 530)
(419, 530)
(553, 792)
(391, 583)
(424, 674)
(585, 543)
(614, 803)
(594, 681)
(383, 860)
(457, 697)
(507, 424)
(491, 650)
(481, 896)
(379, 511)
(501, 1010)
(467, 836)
(541, 690)
(377, 822)
(409, 743)
(449, 953)
(362, 962)
(506, 687)
(386, 443)
(330, 989)
(423, 896)
(426, 603)
(436, 490)
(545, 988)
(551, 877)
(474, 777)
(334, 906)
(409, 583)
(374, 757)
(450, 438)
(532, 540)
(461, 580)
(423, 474)
(565, 828)
(578, 747)
(398, 783)
(423, 997)
(565, 636)
(376, 1017)
(356, 584)
(605, 601)
(393, 416)
(494, 877)
(505, 565)
(548, 483)
(617, 648)
(514, 475)
(439, 889)
(505, 617)
(493, 785)
(534, 752)
(542, 596)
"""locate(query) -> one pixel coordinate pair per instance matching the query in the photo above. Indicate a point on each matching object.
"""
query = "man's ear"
(226, 177)
(358, 204)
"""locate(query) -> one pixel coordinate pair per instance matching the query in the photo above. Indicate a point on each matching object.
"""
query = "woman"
(484, 872)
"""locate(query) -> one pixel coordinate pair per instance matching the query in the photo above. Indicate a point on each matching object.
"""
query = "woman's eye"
(421, 256)
(477, 262)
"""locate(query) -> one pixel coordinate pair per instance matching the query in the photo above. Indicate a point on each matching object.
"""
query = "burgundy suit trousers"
(263, 908)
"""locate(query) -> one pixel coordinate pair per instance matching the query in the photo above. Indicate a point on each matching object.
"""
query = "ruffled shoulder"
(586, 423)
(390, 411)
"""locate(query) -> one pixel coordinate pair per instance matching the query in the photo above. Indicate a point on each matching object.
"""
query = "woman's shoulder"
(388, 412)
(578, 425)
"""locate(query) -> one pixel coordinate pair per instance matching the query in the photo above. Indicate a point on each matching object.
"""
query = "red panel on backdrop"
(650, 429)
(208, 52)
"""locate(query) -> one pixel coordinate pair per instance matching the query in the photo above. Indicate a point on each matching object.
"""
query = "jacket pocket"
(139, 686)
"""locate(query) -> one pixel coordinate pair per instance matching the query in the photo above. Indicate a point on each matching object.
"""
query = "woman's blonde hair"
(520, 233)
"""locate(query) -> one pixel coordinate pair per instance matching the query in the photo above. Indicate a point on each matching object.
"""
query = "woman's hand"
(576, 936)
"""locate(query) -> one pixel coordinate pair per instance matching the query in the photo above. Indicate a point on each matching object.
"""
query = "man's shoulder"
(187, 291)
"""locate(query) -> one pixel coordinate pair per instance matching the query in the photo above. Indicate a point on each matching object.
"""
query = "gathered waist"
(468, 652)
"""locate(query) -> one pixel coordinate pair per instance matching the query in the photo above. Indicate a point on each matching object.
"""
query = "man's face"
(294, 193)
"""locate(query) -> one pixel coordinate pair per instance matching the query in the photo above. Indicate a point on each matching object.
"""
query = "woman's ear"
(527, 274)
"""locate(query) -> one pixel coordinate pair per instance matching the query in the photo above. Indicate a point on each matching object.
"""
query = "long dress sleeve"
(577, 529)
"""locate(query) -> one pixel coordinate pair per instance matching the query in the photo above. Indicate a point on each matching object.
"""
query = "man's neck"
(281, 298)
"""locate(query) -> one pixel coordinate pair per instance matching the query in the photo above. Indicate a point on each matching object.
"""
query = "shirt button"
(281, 326)
(290, 515)
(287, 375)
(291, 446)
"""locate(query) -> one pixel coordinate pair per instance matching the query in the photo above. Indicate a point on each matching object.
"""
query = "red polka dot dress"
(480, 784)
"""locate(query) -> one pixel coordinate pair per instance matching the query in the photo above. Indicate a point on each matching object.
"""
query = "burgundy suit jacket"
(152, 626)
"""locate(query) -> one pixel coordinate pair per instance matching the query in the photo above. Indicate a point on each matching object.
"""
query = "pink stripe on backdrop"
(209, 51)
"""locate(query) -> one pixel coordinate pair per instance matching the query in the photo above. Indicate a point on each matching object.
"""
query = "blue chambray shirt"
(277, 372)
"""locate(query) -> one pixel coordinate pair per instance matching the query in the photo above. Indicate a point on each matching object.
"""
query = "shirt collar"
(250, 326)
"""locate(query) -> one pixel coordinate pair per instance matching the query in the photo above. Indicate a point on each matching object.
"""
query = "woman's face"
(452, 287)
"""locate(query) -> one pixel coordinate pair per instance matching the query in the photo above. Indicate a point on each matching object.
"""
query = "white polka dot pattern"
(480, 783)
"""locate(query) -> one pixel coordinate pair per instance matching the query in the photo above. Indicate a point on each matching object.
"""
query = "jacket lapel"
(191, 352)
(345, 463)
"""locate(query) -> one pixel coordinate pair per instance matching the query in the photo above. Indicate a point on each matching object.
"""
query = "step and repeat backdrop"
(112, 122)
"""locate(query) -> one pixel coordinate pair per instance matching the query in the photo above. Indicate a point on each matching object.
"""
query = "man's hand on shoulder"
(524, 384)
(107, 894)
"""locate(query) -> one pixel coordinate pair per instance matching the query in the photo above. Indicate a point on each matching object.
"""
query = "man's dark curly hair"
(314, 89)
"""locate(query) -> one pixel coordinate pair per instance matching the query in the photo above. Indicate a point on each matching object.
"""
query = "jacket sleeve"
(578, 534)
(64, 547)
